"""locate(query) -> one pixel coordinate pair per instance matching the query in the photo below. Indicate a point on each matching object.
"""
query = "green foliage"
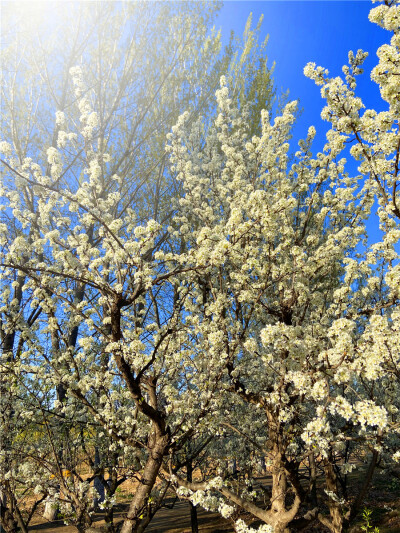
(367, 526)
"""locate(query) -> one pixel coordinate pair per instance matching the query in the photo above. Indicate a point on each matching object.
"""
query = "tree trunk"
(313, 480)
(193, 508)
(279, 486)
(138, 513)
(9, 513)
(262, 466)
(3, 507)
(51, 507)
(234, 469)
(279, 491)
(334, 509)
(98, 485)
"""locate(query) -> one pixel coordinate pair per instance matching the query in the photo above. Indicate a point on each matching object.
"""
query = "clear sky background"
(303, 31)
(319, 31)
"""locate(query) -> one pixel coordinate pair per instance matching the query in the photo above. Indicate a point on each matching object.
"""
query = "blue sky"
(303, 31)
(319, 31)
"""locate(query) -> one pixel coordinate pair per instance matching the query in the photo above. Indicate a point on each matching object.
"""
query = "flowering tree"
(95, 360)
(295, 312)
(244, 313)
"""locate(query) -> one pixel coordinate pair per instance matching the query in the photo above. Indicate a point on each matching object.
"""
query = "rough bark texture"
(336, 521)
(279, 488)
(138, 511)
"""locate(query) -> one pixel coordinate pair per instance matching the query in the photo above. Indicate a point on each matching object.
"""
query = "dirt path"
(383, 500)
(175, 520)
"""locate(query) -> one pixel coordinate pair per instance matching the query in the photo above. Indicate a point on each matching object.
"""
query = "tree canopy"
(180, 283)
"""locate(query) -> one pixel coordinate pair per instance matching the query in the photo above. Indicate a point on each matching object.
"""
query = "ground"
(175, 520)
(383, 500)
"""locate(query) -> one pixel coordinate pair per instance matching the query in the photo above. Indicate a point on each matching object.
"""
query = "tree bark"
(313, 480)
(279, 488)
(138, 512)
(98, 485)
(336, 521)
(193, 509)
